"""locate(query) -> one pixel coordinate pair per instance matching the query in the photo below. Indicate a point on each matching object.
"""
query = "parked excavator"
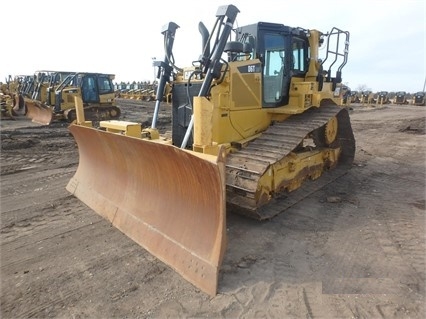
(256, 127)
(53, 100)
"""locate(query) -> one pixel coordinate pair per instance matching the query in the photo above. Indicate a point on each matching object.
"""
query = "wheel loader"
(52, 100)
(256, 127)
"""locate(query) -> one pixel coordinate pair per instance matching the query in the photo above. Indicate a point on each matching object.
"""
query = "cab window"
(274, 71)
(299, 56)
(105, 85)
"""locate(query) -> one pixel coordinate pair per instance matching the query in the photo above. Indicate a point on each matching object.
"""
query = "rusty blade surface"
(38, 112)
(169, 201)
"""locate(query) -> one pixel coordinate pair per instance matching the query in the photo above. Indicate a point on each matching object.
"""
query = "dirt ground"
(354, 249)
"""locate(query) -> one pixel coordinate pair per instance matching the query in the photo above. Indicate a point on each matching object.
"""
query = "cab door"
(89, 89)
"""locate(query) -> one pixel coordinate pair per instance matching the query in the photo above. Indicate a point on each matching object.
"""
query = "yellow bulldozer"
(11, 102)
(354, 97)
(401, 98)
(419, 98)
(382, 98)
(7, 101)
(256, 127)
(54, 100)
(367, 98)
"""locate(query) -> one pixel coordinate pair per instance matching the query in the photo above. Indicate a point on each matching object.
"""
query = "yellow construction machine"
(54, 100)
(367, 98)
(419, 98)
(354, 97)
(382, 98)
(11, 102)
(256, 127)
(6, 102)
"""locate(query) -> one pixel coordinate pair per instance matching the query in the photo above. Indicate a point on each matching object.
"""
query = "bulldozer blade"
(38, 112)
(168, 200)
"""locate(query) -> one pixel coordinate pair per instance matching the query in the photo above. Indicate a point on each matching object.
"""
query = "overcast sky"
(387, 37)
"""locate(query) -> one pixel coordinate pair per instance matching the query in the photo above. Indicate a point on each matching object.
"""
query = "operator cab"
(283, 53)
(92, 86)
